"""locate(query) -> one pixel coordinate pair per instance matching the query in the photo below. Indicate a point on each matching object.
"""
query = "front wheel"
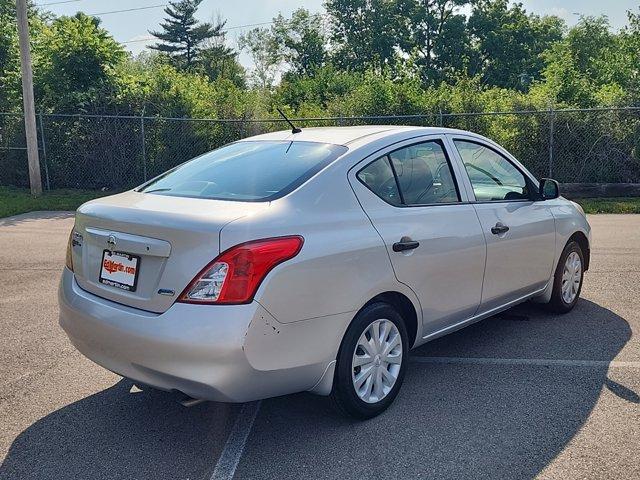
(371, 362)
(567, 282)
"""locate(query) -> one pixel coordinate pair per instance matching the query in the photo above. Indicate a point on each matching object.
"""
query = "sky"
(132, 27)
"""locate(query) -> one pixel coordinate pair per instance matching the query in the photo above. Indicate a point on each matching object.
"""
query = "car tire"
(367, 380)
(567, 283)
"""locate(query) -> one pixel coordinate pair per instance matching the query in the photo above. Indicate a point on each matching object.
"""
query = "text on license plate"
(119, 270)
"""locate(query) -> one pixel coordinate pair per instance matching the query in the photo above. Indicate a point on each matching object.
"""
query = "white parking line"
(228, 461)
(546, 362)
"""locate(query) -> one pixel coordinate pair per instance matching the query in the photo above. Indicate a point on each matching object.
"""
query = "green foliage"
(592, 66)
(10, 78)
(379, 57)
(262, 47)
(610, 205)
(298, 42)
(9, 66)
(380, 95)
(511, 42)
(75, 61)
(301, 41)
(14, 201)
(364, 33)
(320, 90)
(435, 36)
(218, 61)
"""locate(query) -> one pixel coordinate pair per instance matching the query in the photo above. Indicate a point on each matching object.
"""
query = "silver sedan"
(314, 261)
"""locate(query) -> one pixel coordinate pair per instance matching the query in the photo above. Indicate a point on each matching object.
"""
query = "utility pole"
(27, 95)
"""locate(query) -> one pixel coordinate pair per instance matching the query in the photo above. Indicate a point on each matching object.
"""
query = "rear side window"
(416, 175)
(493, 177)
(378, 177)
(424, 174)
(247, 171)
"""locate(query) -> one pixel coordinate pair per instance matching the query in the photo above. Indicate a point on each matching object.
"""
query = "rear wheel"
(371, 363)
(567, 282)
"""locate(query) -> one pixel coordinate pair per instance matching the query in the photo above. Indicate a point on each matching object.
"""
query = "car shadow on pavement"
(459, 420)
(117, 434)
(449, 421)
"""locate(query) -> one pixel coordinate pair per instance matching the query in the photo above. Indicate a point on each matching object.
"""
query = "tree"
(9, 58)
(630, 45)
(364, 33)
(313, 93)
(434, 34)
(262, 47)
(218, 60)
(591, 65)
(10, 73)
(301, 41)
(183, 35)
(510, 42)
(75, 61)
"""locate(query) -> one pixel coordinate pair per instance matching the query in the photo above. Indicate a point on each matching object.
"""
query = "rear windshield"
(247, 171)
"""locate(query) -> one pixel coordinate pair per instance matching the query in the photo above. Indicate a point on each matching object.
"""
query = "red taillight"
(235, 275)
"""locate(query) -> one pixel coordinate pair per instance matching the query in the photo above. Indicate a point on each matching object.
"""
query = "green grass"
(610, 205)
(18, 200)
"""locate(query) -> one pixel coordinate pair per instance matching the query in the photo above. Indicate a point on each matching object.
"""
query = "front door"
(520, 232)
(434, 240)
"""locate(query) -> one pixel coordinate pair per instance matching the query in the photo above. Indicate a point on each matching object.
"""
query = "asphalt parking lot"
(522, 395)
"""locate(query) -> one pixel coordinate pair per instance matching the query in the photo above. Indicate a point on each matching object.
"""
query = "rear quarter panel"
(343, 262)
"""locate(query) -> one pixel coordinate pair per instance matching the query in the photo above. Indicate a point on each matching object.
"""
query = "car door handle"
(405, 244)
(499, 229)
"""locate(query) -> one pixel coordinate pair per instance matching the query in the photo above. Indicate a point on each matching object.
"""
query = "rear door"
(520, 232)
(433, 237)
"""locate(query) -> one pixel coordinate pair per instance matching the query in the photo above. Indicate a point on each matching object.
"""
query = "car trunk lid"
(160, 240)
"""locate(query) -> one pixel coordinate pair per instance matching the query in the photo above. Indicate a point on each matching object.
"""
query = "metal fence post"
(44, 152)
(551, 134)
(144, 148)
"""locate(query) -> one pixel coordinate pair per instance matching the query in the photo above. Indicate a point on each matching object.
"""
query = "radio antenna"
(294, 129)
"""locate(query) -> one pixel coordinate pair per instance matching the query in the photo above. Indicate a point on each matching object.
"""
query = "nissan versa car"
(314, 261)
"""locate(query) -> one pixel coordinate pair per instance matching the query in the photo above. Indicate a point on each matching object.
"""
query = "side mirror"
(549, 189)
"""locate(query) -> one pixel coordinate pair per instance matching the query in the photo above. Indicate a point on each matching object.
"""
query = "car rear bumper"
(231, 353)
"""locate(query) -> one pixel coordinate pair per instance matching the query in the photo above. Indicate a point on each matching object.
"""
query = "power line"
(57, 3)
(139, 40)
(248, 25)
(105, 13)
(127, 10)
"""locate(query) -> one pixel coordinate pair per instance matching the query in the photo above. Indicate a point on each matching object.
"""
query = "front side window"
(247, 171)
(424, 174)
(493, 177)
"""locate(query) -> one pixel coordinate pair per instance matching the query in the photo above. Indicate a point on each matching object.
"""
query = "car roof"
(347, 135)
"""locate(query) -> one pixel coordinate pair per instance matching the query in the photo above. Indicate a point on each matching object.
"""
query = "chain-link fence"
(119, 152)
